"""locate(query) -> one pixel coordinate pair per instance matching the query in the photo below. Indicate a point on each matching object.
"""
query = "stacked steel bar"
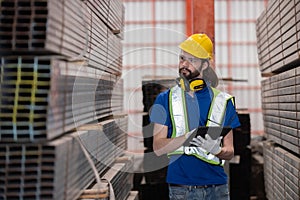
(116, 135)
(68, 27)
(115, 181)
(42, 97)
(32, 99)
(115, 17)
(59, 169)
(279, 96)
(119, 176)
(44, 171)
(60, 69)
(279, 60)
(42, 26)
(103, 46)
(133, 195)
(278, 39)
(282, 173)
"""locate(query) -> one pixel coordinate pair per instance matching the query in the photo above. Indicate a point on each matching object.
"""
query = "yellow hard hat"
(199, 45)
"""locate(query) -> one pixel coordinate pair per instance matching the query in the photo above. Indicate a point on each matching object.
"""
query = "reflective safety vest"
(180, 123)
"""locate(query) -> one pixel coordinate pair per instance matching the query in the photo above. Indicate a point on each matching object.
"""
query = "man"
(194, 172)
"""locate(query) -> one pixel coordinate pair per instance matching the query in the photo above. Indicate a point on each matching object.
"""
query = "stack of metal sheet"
(116, 137)
(97, 38)
(115, 182)
(278, 40)
(116, 16)
(280, 95)
(61, 64)
(59, 169)
(117, 97)
(103, 45)
(119, 176)
(278, 47)
(133, 195)
(281, 173)
(72, 28)
(32, 99)
(42, 97)
(43, 171)
(43, 26)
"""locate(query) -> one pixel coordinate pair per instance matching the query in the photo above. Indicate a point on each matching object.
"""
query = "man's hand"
(210, 145)
(188, 134)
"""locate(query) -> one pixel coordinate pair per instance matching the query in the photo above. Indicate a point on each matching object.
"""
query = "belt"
(192, 186)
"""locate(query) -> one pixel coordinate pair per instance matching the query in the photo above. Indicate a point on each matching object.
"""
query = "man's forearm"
(166, 145)
(226, 153)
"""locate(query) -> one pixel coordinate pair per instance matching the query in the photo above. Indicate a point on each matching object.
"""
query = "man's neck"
(191, 93)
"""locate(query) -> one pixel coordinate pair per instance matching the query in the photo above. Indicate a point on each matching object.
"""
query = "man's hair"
(210, 75)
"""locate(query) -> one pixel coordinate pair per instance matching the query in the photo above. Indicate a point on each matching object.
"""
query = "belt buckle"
(190, 187)
(201, 186)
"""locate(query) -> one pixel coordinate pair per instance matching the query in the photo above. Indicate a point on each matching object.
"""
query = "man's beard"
(190, 75)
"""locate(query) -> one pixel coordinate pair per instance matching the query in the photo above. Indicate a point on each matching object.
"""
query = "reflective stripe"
(177, 107)
(217, 108)
(179, 121)
(199, 153)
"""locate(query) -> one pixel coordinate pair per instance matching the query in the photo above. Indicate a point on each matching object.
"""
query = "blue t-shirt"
(187, 169)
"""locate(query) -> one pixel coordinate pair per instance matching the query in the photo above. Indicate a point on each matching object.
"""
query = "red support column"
(189, 17)
(204, 17)
(200, 17)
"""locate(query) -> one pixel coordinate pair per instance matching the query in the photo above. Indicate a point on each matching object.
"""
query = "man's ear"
(205, 64)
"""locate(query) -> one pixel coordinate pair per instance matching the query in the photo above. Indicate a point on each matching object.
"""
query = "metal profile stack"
(277, 33)
(42, 97)
(278, 41)
(119, 176)
(280, 108)
(115, 182)
(115, 17)
(57, 169)
(42, 26)
(74, 29)
(60, 72)
(282, 170)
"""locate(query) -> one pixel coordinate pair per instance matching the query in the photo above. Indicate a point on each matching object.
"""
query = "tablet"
(213, 131)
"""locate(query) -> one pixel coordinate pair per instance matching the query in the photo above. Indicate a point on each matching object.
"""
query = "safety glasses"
(191, 60)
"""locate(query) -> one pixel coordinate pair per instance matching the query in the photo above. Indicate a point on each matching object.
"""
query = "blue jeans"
(219, 192)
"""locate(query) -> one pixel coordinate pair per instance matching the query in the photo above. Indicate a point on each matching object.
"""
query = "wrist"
(216, 151)
(187, 135)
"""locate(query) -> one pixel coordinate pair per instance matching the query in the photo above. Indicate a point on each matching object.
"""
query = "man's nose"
(185, 63)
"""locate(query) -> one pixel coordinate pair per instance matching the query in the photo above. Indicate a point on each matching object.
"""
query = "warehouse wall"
(153, 30)
(236, 54)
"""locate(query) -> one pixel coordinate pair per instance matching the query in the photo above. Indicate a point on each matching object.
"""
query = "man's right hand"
(188, 134)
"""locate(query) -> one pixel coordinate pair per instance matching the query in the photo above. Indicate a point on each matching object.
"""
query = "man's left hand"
(210, 145)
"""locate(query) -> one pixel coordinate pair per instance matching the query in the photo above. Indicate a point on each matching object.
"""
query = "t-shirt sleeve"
(231, 116)
(159, 112)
